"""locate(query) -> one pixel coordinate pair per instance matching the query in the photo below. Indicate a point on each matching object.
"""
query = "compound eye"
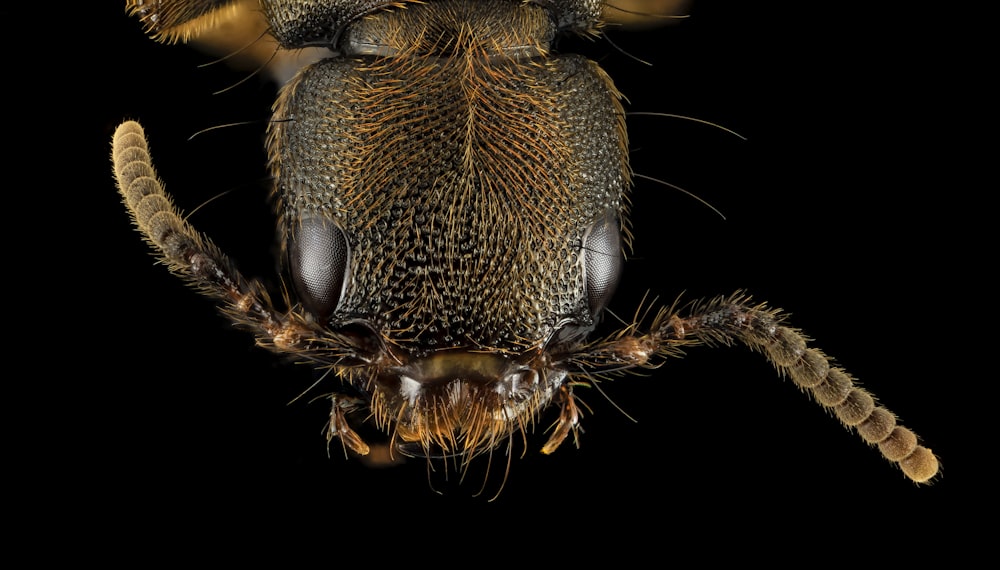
(602, 255)
(319, 256)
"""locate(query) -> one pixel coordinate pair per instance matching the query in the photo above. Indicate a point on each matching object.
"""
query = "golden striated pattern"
(178, 21)
(466, 179)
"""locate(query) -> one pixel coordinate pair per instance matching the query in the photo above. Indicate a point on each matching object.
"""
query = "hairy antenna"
(725, 321)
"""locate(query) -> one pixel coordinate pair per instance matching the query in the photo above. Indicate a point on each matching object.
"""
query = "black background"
(154, 407)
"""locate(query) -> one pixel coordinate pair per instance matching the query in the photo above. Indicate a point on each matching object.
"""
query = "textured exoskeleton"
(452, 205)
